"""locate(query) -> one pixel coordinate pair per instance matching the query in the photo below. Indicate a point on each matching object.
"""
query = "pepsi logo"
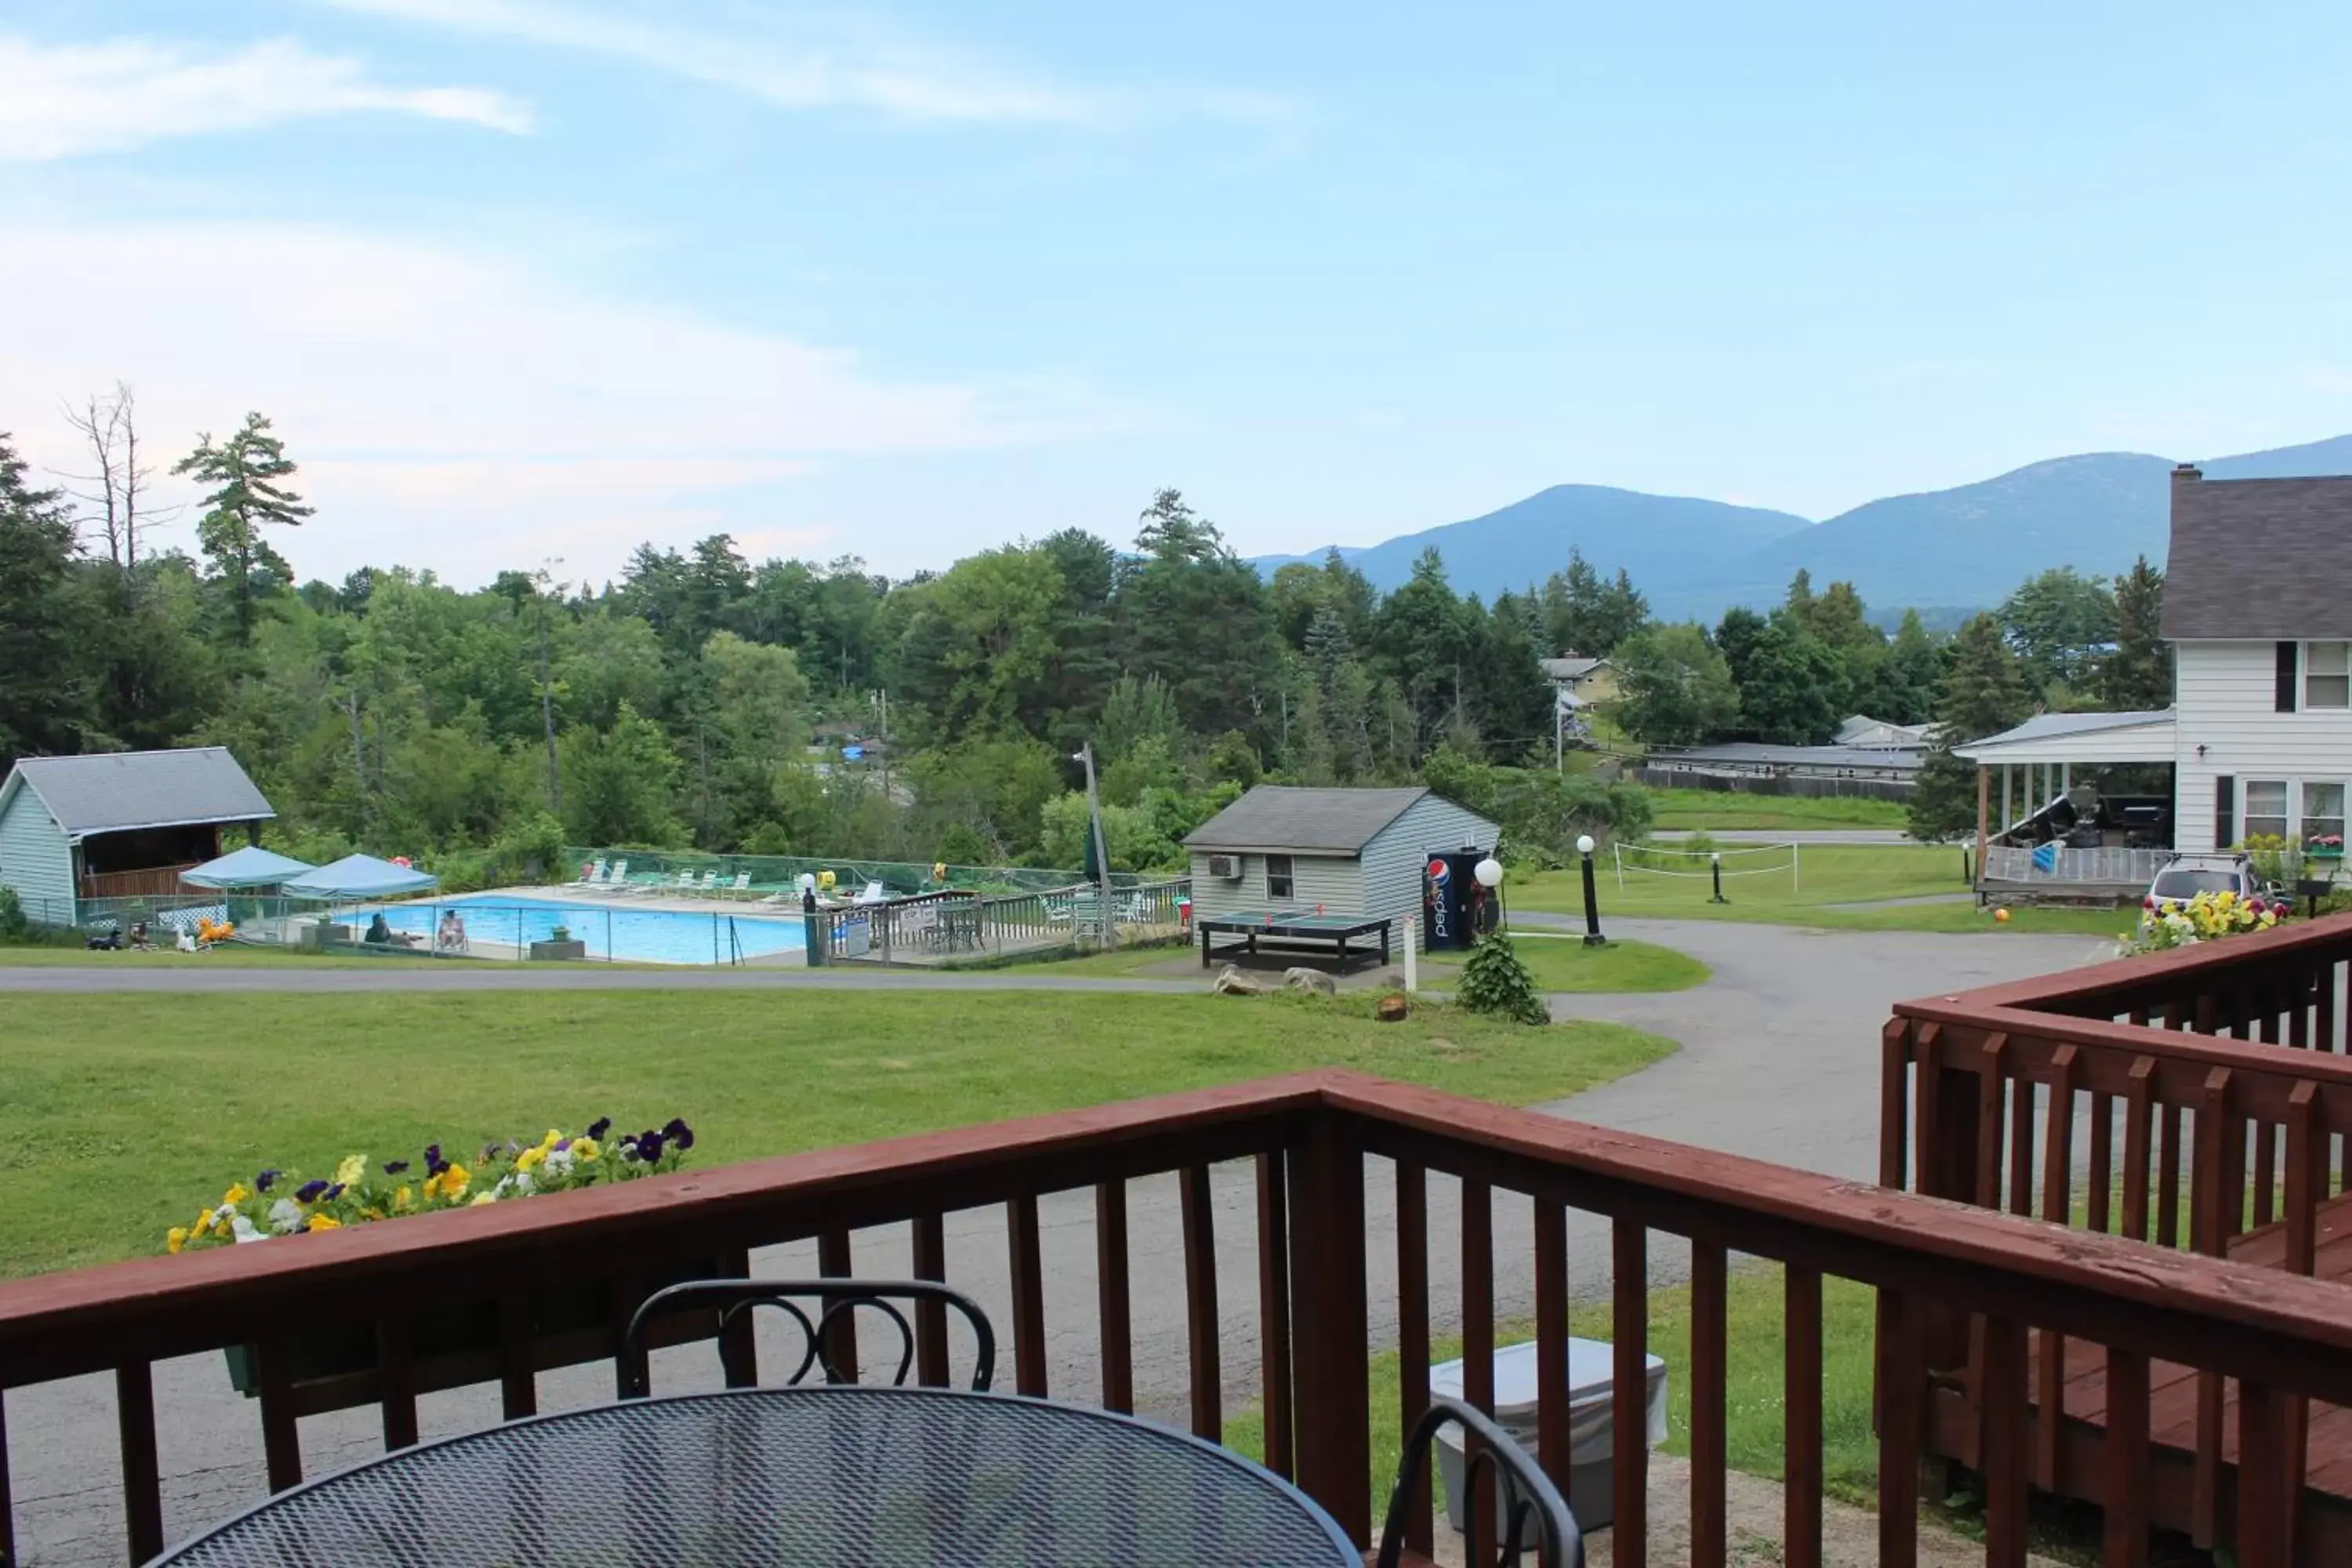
(1440, 872)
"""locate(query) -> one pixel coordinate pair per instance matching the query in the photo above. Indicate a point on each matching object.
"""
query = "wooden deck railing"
(1322, 1146)
(2197, 1100)
(158, 881)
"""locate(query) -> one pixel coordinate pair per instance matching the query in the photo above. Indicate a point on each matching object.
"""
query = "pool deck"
(679, 903)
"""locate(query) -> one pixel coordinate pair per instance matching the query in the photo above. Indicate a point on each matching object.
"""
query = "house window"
(2265, 813)
(2327, 674)
(1277, 876)
(2323, 814)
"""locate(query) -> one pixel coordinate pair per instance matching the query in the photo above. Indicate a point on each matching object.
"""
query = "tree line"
(702, 700)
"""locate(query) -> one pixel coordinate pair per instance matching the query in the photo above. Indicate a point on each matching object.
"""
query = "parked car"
(2185, 875)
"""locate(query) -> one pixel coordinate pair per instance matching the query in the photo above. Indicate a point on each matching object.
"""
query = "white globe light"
(1490, 872)
(808, 883)
(1584, 844)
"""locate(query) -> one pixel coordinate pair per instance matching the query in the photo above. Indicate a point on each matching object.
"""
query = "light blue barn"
(1352, 851)
(118, 823)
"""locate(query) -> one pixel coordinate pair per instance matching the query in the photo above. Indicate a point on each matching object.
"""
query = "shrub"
(14, 926)
(1495, 981)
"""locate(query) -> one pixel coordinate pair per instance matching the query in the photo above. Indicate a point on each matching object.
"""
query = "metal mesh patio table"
(794, 1478)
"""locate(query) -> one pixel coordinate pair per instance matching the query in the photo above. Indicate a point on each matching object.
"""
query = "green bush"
(1495, 981)
(14, 926)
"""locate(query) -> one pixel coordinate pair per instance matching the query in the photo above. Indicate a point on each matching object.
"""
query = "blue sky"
(521, 279)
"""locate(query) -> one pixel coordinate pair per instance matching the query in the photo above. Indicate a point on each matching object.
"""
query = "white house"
(2258, 612)
(2259, 738)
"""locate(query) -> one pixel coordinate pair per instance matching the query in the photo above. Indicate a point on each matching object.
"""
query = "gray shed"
(1353, 851)
(118, 823)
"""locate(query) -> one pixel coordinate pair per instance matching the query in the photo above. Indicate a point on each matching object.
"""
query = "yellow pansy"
(204, 1223)
(176, 1238)
(529, 1157)
(401, 1196)
(354, 1167)
(555, 1136)
(235, 1193)
(323, 1222)
(481, 1198)
(371, 1214)
(432, 1186)
(583, 1148)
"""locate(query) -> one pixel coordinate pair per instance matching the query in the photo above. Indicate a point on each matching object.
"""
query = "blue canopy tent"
(251, 867)
(360, 876)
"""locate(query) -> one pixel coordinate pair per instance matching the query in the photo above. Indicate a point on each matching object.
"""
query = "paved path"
(1779, 1062)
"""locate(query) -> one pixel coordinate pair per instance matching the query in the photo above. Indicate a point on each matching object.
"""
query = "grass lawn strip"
(129, 1112)
(1831, 874)
(1557, 965)
(1731, 810)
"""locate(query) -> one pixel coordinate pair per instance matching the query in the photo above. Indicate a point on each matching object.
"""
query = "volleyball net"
(1648, 859)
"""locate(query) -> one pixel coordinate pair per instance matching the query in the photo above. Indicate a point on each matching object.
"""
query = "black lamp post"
(1593, 937)
(1714, 863)
(1489, 875)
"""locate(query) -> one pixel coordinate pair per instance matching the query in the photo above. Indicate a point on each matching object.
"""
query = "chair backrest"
(618, 874)
(1534, 1513)
(831, 1327)
(742, 882)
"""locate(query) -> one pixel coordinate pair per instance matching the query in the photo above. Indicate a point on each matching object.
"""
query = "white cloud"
(821, 67)
(73, 99)
(455, 412)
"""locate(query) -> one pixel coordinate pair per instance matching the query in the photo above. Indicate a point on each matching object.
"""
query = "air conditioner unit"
(1225, 868)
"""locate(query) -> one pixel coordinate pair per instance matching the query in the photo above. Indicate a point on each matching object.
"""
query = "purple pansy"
(308, 1193)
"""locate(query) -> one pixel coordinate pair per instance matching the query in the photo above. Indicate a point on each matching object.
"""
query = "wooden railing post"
(1332, 1381)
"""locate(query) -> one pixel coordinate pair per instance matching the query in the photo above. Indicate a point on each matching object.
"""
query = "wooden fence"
(1320, 1148)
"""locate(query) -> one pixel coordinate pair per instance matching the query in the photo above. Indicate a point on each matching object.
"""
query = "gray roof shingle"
(2261, 559)
(1283, 818)
(111, 792)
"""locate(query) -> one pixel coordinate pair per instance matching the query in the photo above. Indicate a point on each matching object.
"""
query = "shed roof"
(1281, 816)
(115, 792)
(1572, 666)
(2258, 559)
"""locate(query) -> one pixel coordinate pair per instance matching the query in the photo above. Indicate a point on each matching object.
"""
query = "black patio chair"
(837, 1301)
(1534, 1513)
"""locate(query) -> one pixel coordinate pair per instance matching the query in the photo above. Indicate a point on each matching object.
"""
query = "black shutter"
(2284, 702)
(2225, 804)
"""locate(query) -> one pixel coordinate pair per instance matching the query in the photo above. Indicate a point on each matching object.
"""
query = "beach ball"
(2001, 917)
(401, 862)
(939, 870)
(825, 880)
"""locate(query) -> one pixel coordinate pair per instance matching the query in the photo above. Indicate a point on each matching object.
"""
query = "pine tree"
(1984, 694)
(248, 472)
(2137, 675)
(1496, 981)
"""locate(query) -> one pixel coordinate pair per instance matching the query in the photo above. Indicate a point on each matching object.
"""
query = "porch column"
(1984, 813)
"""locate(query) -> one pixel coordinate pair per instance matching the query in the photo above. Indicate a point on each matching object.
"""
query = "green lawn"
(1828, 875)
(1558, 965)
(1727, 809)
(1561, 963)
(127, 1111)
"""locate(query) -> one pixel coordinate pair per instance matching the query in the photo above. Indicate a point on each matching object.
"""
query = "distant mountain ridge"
(1967, 545)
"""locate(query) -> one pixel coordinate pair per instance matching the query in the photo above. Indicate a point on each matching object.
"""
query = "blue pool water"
(641, 936)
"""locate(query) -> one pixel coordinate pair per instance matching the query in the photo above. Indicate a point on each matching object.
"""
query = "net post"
(1796, 866)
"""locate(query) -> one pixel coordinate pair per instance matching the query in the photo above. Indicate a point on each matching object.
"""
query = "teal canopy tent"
(360, 876)
(251, 867)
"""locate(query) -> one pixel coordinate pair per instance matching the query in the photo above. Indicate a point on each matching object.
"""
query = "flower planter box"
(574, 949)
(2336, 854)
(334, 1364)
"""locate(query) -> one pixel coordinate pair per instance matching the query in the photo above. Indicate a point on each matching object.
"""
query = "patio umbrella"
(251, 867)
(360, 876)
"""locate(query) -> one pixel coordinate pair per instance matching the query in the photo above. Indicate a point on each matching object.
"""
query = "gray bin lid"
(1591, 1368)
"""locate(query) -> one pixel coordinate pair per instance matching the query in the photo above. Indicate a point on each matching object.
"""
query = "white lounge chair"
(872, 893)
(593, 876)
(741, 888)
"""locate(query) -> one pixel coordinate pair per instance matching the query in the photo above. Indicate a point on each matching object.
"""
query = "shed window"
(1277, 876)
(2265, 808)
(2326, 676)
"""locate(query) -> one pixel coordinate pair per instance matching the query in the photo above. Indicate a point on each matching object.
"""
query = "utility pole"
(1102, 855)
(1559, 728)
(883, 697)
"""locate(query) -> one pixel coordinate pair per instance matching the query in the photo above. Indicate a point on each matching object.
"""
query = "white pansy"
(286, 1216)
(242, 1229)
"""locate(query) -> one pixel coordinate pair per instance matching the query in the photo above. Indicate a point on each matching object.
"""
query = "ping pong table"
(1312, 929)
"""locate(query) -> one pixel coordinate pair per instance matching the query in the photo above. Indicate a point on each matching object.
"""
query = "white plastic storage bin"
(1591, 1414)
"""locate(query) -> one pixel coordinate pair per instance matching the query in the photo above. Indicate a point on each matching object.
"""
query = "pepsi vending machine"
(1455, 910)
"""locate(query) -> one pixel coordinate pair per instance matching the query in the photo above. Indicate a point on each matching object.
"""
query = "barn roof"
(1283, 818)
(115, 792)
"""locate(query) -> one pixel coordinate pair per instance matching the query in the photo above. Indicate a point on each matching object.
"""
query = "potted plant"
(333, 1363)
(559, 943)
(2324, 847)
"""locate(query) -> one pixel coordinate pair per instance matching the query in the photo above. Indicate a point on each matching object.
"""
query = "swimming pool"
(639, 936)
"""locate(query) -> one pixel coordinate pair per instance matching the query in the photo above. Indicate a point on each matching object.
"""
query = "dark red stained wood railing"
(2194, 1098)
(1315, 1142)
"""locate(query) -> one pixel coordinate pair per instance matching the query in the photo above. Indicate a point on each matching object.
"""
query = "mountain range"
(1964, 547)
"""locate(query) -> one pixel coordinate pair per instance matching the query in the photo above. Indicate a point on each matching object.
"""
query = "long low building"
(1733, 761)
